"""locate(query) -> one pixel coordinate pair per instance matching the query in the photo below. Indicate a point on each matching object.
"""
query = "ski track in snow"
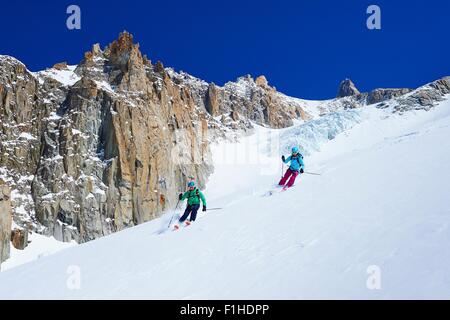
(382, 200)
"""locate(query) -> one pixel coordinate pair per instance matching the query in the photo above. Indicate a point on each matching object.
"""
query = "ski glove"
(301, 170)
(283, 158)
(204, 208)
(180, 196)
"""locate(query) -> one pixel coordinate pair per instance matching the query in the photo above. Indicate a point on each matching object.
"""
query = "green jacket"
(194, 197)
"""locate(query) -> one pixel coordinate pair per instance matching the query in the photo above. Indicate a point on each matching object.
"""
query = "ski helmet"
(294, 150)
(191, 184)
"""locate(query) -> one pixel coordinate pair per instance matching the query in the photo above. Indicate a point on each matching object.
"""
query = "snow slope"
(39, 246)
(382, 200)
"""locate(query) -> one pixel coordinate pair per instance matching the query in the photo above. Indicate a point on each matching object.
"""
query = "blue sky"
(304, 48)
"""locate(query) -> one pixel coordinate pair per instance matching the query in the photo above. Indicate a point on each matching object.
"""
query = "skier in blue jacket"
(296, 166)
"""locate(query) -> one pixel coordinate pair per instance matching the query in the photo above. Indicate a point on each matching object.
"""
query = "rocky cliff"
(91, 149)
(403, 99)
(99, 148)
(237, 104)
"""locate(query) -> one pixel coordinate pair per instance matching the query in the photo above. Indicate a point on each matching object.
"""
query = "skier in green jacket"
(193, 196)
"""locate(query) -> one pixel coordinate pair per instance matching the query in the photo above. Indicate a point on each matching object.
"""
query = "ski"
(178, 225)
(277, 190)
(271, 191)
(286, 188)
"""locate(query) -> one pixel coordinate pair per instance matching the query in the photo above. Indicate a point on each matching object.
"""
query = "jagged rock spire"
(262, 81)
(347, 88)
(127, 63)
(122, 50)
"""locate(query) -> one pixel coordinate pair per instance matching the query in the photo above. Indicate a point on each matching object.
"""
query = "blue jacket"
(296, 163)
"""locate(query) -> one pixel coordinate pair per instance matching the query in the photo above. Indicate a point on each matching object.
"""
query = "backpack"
(197, 194)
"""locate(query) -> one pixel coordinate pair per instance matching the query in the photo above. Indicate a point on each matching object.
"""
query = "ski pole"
(314, 174)
(173, 215)
(214, 209)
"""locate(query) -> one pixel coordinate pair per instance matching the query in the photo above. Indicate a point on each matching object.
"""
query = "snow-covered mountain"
(93, 149)
(379, 209)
